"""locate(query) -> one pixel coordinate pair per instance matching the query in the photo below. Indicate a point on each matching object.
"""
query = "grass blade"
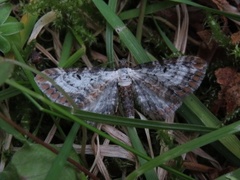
(124, 33)
(196, 113)
(189, 146)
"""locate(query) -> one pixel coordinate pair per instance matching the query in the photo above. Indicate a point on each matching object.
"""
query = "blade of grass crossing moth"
(124, 33)
(141, 124)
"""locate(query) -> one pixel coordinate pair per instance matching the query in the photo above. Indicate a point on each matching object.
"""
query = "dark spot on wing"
(79, 77)
(165, 69)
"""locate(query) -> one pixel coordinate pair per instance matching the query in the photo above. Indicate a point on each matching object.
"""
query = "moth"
(158, 89)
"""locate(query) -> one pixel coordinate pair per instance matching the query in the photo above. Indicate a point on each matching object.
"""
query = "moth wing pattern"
(92, 90)
(159, 89)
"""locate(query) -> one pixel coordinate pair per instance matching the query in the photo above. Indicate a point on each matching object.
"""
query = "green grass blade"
(166, 39)
(10, 28)
(137, 144)
(143, 5)
(5, 10)
(66, 59)
(191, 3)
(233, 175)
(189, 146)
(28, 73)
(153, 8)
(74, 57)
(29, 21)
(124, 33)
(196, 113)
(8, 93)
(61, 159)
(6, 69)
(66, 50)
(11, 130)
(116, 120)
(4, 44)
(109, 37)
(150, 9)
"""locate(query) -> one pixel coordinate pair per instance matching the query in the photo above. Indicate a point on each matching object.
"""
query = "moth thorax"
(124, 79)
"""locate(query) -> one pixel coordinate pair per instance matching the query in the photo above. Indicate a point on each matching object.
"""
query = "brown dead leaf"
(235, 38)
(229, 80)
(206, 37)
(193, 166)
(221, 4)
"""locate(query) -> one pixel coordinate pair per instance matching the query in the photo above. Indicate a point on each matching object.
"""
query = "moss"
(77, 14)
(217, 33)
